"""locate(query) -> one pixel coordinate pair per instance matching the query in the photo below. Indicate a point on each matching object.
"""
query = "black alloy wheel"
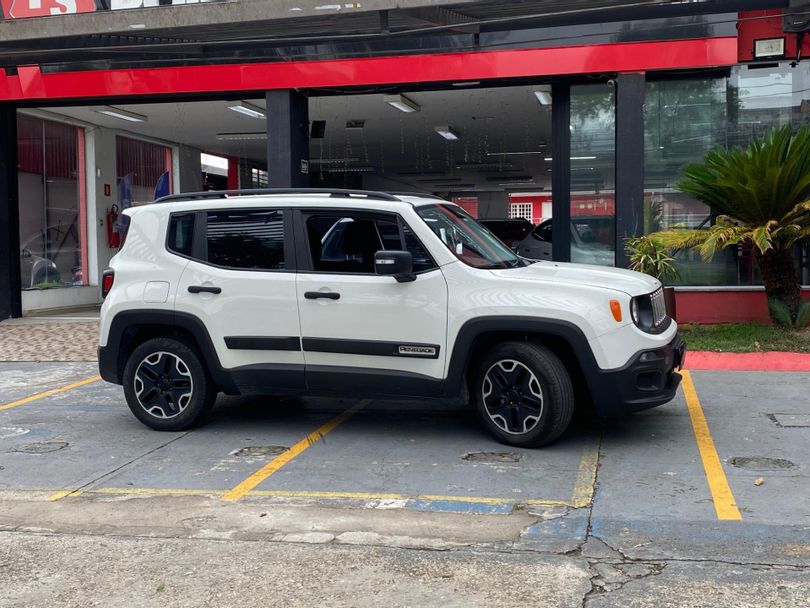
(167, 386)
(523, 394)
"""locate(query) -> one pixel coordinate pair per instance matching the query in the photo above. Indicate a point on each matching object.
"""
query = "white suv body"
(371, 295)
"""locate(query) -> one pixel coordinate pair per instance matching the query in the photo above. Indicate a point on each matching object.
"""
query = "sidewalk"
(53, 338)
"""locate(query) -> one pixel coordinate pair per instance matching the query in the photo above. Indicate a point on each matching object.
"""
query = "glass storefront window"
(143, 171)
(684, 119)
(593, 170)
(52, 209)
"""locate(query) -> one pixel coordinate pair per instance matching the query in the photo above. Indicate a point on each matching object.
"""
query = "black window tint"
(343, 244)
(252, 240)
(181, 232)
(348, 244)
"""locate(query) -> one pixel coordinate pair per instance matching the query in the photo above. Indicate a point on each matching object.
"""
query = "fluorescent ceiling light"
(401, 103)
(122, 114)
(334, 161)
(544, 97)
(548, 158)
(347, 169)
(248, 109)
(241, 136)
(447, 133)
(514, 153)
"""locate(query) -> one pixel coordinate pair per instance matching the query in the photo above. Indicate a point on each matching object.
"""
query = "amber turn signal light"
(616, 309)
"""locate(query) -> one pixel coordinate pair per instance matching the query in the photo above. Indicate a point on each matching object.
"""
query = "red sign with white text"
(19, 9)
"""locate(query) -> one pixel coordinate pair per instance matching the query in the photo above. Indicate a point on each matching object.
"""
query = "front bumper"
(649, 379)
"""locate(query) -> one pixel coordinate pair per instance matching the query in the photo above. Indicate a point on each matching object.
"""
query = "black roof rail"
(332, 192)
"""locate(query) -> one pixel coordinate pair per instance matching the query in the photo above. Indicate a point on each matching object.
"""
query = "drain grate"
(41, 447)
(791, 421)
(760, 463)
(492, 457)
(257, 451)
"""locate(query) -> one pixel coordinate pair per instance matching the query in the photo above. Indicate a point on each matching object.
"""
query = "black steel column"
(10, 297)
(287, 139)
(629, 161)
(561, 172)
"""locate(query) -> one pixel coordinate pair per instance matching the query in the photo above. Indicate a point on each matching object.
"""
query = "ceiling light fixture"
(247, 109)
(122, 114)
(241, 136)
(514, 153)
(544, 97)
(447, 133)
(401, 103)
(347, 169)
(548, 158)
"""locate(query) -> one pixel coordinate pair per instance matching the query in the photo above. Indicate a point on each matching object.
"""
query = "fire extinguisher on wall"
(113, 228)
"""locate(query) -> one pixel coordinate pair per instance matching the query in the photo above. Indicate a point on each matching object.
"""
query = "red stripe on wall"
(31, 85)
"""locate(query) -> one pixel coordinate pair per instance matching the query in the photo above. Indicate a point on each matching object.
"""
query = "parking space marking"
(279, 461)
(585, 484)
(724, 503)
(53, 391)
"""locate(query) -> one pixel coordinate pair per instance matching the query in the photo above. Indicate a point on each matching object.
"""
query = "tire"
(523, 394)
(167, 386)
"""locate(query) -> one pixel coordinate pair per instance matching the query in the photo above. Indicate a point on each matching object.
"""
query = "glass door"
(593, 171)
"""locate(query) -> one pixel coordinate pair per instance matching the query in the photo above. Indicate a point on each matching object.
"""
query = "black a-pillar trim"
(561, 172)
(287, 139)
(629, 161)
(10, 297)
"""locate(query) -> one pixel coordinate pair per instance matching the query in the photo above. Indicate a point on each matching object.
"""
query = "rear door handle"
(315, 295)
(204, 289)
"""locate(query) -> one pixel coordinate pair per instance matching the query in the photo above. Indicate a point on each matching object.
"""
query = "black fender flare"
(112, 357)
(474, 330)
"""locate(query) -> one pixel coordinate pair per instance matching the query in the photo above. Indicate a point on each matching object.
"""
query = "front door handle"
(315, 295)
(204, 289)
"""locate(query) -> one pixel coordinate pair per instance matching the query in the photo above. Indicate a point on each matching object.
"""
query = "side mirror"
(398, 264)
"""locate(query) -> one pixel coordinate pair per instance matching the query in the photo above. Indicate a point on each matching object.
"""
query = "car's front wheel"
(166, 385)
(523, 394)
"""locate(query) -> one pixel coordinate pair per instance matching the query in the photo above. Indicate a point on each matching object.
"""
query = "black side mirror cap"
(398, 264)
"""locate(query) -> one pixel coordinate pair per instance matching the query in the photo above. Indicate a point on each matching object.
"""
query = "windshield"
(468, 240)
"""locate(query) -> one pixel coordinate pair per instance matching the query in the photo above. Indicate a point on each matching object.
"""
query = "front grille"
(659, 307)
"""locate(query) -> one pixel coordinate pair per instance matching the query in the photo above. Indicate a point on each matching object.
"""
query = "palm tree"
(763, 195)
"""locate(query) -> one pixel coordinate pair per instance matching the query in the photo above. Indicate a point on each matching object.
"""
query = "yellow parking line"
(53, 391)
(279, 461)
(724, 503)
(585, 484)
(61, 494)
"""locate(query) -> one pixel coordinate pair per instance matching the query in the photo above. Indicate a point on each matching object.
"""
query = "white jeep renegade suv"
(367, 294)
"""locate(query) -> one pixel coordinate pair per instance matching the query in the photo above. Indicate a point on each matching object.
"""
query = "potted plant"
(649, 255)
(762, 194)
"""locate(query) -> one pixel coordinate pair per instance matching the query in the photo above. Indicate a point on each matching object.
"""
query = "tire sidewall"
(202, 394)
(542, 364)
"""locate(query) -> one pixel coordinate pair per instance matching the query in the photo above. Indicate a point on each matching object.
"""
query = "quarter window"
(181, 232)
(246, 239)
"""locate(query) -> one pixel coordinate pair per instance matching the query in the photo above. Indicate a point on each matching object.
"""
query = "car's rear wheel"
(523, 394)
(167, 386)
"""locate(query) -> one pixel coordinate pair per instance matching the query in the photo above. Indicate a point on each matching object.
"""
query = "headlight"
(648, 311)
